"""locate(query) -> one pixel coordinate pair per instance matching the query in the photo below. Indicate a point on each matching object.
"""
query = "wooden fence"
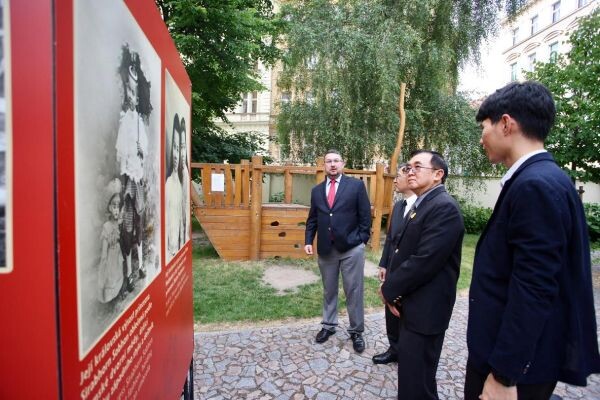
(241, 226)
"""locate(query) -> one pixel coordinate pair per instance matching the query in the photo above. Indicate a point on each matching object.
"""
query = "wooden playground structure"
(241, 226)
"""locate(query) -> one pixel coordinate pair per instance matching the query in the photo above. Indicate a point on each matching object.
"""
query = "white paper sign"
(217, 182)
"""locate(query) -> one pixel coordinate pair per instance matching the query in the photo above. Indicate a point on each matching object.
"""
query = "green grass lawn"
(233, 291)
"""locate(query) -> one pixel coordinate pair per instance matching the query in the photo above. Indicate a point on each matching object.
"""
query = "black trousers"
(474, 381)
(418, 358)
(391, 328)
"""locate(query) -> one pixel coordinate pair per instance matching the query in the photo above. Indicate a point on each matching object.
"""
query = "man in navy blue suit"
(531, 309)
(340, 216)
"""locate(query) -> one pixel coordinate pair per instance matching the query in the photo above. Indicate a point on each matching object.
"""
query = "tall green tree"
(344, 65)
(574, 80)
(220, 42)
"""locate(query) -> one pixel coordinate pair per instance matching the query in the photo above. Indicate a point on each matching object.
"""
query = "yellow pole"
(256, 207)
(400, 139)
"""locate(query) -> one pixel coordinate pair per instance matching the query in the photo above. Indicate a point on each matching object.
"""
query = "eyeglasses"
(416, 169)
(337, 160)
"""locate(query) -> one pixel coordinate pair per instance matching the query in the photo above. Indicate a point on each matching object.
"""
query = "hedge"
(476, 218)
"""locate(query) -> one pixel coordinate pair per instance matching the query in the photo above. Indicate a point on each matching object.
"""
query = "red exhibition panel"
(96, 290)
(28, 337)
(126, 317)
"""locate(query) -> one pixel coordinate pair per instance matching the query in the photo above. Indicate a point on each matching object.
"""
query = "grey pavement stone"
(284, 362)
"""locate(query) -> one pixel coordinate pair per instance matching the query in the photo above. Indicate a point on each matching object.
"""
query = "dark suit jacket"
(349, 219)
(395, 225)
(531, 308)
(425, 265)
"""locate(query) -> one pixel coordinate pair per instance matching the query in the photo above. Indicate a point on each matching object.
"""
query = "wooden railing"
(240, 186)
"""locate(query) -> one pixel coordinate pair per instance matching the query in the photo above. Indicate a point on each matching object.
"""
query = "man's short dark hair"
(437, 161)
(333, 151)
(529, 103)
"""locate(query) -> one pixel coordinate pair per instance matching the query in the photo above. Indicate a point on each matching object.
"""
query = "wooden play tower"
(241, 226)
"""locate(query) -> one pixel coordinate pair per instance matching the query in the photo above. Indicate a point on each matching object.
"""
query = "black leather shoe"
(323, 335)
(357, 342)
(385, 358)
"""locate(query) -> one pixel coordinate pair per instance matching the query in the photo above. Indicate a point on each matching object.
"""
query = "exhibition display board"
(95, 273)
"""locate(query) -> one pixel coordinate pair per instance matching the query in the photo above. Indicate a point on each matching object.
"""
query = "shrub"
(475, 217)
(592, 214)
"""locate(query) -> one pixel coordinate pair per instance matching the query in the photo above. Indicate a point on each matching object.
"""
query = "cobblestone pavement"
(284, 362)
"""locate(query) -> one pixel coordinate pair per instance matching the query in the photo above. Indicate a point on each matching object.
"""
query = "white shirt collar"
(337, 180)
(411, 200)
(409, 203)
(511, 171)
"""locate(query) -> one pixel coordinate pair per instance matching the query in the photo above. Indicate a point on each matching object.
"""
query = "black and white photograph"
(5, 160)
(117, 164)
(177, 185)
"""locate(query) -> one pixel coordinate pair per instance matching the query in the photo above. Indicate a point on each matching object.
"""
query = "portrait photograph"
(117, 98)
(177, 167)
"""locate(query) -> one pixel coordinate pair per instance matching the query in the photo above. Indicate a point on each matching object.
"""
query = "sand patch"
(287, 278)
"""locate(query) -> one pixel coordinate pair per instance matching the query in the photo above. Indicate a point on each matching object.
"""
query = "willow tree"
(344, 64)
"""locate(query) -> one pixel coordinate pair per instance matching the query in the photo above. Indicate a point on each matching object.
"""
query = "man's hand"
(308, 249)
(494, 390)
(381, 274)
(393, 309)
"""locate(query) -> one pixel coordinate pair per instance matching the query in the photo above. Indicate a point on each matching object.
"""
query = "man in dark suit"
(420, 282)
(340, 213)
(399, 212)
(531, 309)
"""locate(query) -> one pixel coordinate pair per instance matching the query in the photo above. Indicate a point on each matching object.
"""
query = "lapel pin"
(413, 215)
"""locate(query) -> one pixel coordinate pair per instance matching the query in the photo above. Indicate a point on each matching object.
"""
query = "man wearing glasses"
(420, 282)
(399, 212)
(340, 213)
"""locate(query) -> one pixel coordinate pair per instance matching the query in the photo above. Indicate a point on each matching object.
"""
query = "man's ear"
(508, 124)
(441, 173)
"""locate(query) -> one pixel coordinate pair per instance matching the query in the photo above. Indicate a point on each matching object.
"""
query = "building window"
(310, 97)
(311, 63)
(250, 103)
(531, 61)
(555, 12)
(513, 72)
(534, 25)
(286, 97)
(553, 50)
(581, 3)
(515, 36)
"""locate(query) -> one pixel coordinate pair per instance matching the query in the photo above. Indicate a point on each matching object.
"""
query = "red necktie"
(331, 195)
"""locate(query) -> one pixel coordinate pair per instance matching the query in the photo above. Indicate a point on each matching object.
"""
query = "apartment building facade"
(539, 33)
(256, 112)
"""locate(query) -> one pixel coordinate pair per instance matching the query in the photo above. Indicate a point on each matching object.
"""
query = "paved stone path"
(284, 362)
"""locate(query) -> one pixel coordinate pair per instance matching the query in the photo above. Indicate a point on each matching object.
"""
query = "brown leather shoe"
(323, 335)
